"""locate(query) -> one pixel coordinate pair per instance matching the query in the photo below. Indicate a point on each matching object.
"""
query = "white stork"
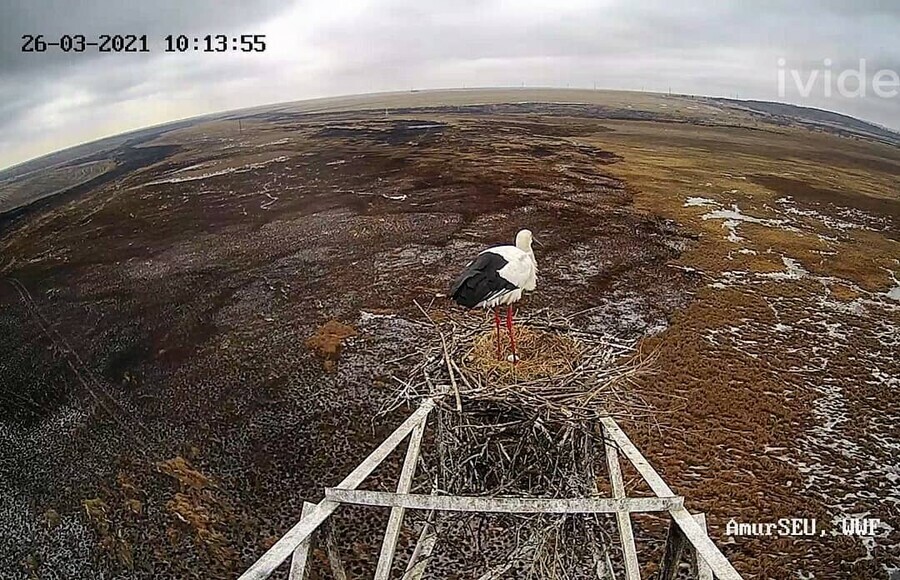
(498, 276)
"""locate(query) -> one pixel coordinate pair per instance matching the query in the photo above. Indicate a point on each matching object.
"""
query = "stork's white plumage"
(498, 277)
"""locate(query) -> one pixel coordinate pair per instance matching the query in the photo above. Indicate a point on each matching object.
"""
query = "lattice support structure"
(687, 532)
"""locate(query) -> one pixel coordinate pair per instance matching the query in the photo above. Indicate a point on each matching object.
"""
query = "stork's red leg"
(497, 323)
(509, 329)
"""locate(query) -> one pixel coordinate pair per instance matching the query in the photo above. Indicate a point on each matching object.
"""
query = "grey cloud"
(723, 48)
(29, 81)
(399, 37)
(693, 47)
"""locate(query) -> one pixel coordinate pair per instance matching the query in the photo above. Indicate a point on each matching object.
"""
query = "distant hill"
(90, 151)
(76, 167)
(786, 114)
(61, 171)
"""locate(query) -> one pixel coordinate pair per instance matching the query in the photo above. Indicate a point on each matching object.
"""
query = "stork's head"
(523, 240)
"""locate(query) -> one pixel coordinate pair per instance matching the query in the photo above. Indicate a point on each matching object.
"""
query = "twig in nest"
(447, 359)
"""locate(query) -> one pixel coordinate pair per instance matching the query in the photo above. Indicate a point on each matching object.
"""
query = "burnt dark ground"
(142, 322)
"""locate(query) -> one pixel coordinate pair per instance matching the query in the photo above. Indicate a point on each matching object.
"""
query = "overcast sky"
(52, 100)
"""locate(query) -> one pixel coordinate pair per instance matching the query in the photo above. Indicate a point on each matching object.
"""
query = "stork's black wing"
(480, 280)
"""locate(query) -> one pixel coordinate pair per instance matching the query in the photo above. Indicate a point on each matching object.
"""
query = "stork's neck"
(528, 250)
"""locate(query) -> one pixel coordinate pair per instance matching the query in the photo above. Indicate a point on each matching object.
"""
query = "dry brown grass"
(844, 293)
(541, 354)
(111, 541)
(725, 163)
(198, 511)
(328, 342)
(180, 469)
(737, 392)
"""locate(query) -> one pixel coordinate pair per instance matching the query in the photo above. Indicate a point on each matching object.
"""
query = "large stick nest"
(528, 429)
(565, 373)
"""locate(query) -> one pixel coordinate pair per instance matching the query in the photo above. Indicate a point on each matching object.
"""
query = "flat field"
(164, 414)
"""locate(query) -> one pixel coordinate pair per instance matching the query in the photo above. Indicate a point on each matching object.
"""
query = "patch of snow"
(793, 270)
(189, 167)
(893, 293)
(279, 142)
(733, 217)
(735, 214)
(626, 318)
(367, 317)
(699, 201)
(226, 171)
(731, 226)
(850, 218)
